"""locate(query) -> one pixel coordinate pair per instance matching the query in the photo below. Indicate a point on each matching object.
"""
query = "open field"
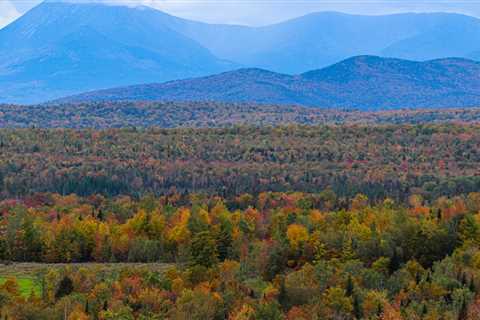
(26, 285)
(25, 273)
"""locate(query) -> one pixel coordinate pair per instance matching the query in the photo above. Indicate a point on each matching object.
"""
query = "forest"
(110, 114)
(380, 161)
(342, 222)
(271, 256)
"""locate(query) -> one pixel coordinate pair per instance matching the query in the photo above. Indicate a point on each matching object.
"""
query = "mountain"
(244, 85)
(363, 82)
(61, 48)
(450, 38)
(321, 39)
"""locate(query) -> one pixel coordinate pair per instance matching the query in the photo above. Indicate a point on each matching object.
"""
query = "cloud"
(8, 13)
(262, 12)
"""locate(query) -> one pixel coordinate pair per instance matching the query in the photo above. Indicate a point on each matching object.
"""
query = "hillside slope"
(62, 48)
(363, 82)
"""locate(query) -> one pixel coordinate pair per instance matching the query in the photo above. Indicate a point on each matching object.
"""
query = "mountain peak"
(64, 47)
(252, 71)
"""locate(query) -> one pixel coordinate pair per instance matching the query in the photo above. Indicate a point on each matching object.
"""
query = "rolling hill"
(363, 82)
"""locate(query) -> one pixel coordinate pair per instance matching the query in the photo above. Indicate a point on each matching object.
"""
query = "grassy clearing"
(26, 285)
(25, 273)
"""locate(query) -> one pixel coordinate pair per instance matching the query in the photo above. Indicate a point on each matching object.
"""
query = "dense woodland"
(101, 115)
(378, 161)
(289, 222)
(270, 256)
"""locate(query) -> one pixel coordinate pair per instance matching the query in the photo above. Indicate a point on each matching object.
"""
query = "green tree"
(204, 250)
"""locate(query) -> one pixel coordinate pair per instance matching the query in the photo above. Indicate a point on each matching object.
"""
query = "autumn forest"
(348, 221)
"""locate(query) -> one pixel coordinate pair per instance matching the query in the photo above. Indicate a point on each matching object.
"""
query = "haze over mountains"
(321, 39)
(62, 48)
(363, 82)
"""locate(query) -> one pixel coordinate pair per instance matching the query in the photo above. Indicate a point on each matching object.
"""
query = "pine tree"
(394, 262)
(472, 286)
(347, 249)
(424, 309)
(64, 288)
(357, 308)
(349, 286)
(100, 215)
(224, 242)
(282, 295)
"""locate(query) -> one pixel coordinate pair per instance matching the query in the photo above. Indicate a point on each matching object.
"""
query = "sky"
(263, 12)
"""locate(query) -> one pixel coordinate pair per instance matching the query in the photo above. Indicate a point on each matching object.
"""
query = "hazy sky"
(261, 12)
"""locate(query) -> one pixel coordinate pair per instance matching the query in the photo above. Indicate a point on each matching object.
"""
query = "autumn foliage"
(281, 256)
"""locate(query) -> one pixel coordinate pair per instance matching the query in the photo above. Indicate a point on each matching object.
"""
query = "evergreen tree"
(394, 262)
(349, 286)
(472, 286)
(64, 288)
(204, 250)
(224, 242)
(424, 309)
(357, 308)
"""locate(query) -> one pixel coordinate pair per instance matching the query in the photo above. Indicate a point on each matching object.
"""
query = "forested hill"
(210, 114)
(363, 82)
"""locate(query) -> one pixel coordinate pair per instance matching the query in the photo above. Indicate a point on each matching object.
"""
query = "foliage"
(284, 257)
(379, 162)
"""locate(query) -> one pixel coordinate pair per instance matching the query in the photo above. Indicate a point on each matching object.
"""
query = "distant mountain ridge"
(363, 82)
(321, 39)
(62, 48)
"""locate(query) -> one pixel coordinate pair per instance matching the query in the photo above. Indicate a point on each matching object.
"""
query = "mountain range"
(363, 82)
(61, 48)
